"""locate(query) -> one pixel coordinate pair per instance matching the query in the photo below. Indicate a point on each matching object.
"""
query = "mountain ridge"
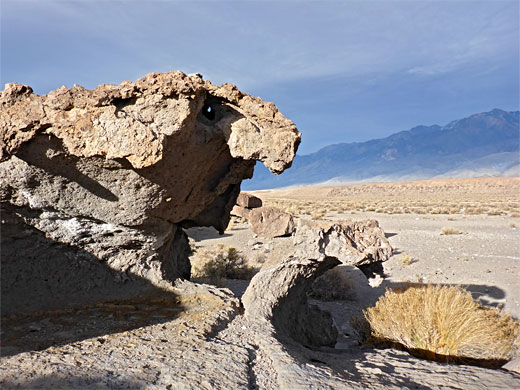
(459, 148)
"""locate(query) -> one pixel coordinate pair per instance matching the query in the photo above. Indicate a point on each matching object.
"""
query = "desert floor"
(483, 257)
(161, 341)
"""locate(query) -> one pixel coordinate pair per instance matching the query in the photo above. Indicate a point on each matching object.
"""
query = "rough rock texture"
(248, 201)
(270, 222)
(106, 216)
(194, 337)
(278, 295)
(103, 180)
(157, 342)
(353, 243)
(173, 350)
(239, 211)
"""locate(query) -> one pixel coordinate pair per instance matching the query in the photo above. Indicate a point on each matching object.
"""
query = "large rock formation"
(96, 184)
(278, 293)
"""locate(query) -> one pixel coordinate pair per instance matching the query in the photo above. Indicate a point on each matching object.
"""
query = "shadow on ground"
(369, 365)
(55, 294)
(204, 233)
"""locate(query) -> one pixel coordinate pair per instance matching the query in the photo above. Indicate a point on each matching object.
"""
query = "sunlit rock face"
(96, 185)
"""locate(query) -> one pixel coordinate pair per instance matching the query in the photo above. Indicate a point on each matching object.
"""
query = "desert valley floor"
(463, 232)
(480, 252)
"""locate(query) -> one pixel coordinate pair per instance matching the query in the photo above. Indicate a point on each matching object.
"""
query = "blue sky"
(343, 71)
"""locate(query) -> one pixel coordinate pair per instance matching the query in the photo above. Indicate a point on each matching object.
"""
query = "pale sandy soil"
(156, 343)
(484, 259)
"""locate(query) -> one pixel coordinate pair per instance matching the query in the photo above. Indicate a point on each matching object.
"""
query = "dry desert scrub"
(406, 259)
(450, 230)
(219, 263)
(445, 324)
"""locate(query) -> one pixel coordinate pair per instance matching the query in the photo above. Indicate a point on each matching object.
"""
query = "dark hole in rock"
(123, 102)
(208, 112)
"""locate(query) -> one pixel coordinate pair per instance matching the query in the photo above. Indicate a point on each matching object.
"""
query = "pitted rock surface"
(100, 182)
(353, 243)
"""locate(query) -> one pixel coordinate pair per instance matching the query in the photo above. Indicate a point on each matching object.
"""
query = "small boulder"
(248, 201)
(353, 243)
(270, 222)
(239, 211)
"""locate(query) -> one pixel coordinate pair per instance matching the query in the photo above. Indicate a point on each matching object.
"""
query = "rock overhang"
(147, 125)
(146, 157)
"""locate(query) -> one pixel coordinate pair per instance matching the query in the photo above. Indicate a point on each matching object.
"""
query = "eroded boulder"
(270, 222)
(278, 295)
(248, 201)
(353, 243)
(111, 175)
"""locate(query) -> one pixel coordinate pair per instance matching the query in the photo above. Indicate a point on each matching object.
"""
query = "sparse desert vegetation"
(481, 196)
(406, 259)
(456, 241)
(334, 284)
(444, 323)
(449, 230)
(219, 263)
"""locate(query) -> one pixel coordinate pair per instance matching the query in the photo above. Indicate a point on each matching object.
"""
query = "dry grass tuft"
(450, 230)
(406, 259)
(219, 263)
(444, 323)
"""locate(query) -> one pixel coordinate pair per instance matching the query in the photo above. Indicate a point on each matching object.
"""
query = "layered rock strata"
(96, 185)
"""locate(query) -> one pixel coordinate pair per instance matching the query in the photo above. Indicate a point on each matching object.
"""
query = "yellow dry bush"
(293, 209)
(443, 323)
(450, 230)
(406, 259)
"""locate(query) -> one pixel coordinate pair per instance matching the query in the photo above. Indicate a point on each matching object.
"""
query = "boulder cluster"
(264, 221)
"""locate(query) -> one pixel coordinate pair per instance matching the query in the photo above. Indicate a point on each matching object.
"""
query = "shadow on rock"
(54, 293)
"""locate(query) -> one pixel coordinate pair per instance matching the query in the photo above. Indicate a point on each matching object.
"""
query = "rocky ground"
(159, 342)
(484, 258)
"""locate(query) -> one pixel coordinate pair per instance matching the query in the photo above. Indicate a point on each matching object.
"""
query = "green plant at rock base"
(444, 323)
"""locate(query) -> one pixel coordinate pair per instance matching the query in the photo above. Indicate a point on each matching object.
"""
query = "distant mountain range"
(485, 144)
